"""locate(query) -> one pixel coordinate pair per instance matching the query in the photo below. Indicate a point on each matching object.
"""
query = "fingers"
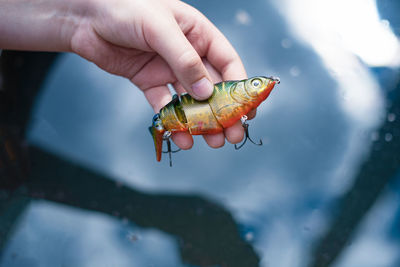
(215, 77)
(183, 55)
(183, 140)
(223, 56)
(170, 42)
(215, 140)
(225, 59)
(158, 97)
(154, 73)
(235, 133)
(209, 42)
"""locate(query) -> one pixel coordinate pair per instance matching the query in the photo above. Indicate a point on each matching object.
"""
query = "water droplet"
(242, 17)
(388, 137)
(133, 237)
(249, 236)
(295, 71)
(286, 43)
(391, 117)
(385, 23)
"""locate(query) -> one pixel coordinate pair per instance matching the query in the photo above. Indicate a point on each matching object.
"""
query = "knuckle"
(189, 60)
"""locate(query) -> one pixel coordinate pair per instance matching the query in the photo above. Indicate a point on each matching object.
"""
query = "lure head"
(251, 92)
(260, 87)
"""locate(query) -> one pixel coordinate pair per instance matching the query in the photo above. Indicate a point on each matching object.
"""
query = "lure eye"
(256, 83)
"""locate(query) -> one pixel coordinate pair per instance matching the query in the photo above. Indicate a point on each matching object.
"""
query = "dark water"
(324, 190)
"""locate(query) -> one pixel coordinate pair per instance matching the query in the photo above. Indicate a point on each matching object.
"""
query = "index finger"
(224, 57)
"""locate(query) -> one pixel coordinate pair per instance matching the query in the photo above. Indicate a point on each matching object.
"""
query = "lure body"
(229, 102)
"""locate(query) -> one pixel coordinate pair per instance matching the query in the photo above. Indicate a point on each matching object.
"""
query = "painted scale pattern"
(228, 103)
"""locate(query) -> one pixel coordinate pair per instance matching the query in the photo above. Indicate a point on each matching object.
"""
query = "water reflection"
(206, 233)
(376, 172)
(309, 197)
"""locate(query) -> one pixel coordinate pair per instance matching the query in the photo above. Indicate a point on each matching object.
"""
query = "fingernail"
(203, 88)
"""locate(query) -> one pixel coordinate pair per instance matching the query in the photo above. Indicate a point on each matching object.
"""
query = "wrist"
(43, 25)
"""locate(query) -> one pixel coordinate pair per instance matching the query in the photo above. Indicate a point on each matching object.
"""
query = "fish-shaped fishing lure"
(230, 102)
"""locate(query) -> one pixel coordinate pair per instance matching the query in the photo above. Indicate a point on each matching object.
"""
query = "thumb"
(183, 59)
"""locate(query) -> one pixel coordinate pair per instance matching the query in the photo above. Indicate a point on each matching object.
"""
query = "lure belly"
(230, 101)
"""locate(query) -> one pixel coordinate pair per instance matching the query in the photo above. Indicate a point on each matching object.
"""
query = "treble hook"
(246, 131)
(167, 137)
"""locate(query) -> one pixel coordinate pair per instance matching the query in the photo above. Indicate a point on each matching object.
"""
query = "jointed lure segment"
(230, 101)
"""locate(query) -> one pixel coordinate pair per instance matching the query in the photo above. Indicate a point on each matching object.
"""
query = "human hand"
(150, 42)
(153, 43)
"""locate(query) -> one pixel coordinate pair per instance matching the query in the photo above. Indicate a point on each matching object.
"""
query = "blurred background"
(323, 190)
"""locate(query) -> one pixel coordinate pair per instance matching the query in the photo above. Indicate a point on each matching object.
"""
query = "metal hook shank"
(247, 135)
(167, 137)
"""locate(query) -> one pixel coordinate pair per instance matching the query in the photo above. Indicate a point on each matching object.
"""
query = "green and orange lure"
(230, 102)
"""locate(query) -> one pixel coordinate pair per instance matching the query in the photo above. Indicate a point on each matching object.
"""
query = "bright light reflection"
(342, 32)
(352, 25)
(76, 233)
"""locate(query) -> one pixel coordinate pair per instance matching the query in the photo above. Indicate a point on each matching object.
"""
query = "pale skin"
(150, 42)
